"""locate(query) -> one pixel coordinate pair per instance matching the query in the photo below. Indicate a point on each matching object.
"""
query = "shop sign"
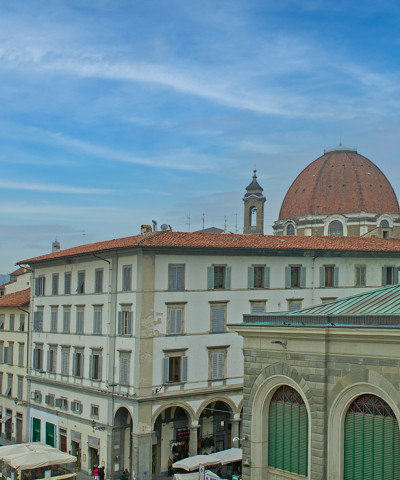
(93, 442)
(182, 433)
(75, 436)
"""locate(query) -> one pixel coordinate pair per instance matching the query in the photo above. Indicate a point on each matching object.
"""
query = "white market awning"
(229, 456)
(192, 463)
(26, 456)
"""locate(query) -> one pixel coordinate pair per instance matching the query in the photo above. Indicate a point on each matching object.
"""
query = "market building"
(321, 390)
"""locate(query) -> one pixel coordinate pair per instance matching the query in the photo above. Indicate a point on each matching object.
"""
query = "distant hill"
(4, 278)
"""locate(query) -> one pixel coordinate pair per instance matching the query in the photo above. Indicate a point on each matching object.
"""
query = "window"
(79, 319)
(294, 304)
(21, 322)
(9, 354)
(77, 364)
(125, 322)
(257, 306)
(124, 364)
(371, 436)
(295, 276)
(97, 320)
(38, 320)
(335, 228)
(50, 400)
(389, 276)
(218, 318)
(38, 357)
(1, 352)
(175, 320)
(66, 319)
(65, 360)
(290, 229)
(20, 383)
(384, 224)
(258, 276)
(76, 407)
(217, 364)
(63, 440)
(52, 359)
(54, 284)
(12, 322)
(288, 431)
(53, 319)
(94, 411)
(95, 364)
(9, 384)
(176, 277)
(81, 282)
(1, 382)
(20, 354)
(360, 275)
(175, 368)
(2, 320)
(98, 280)
(39, 286)
(329, 276)
(67, 283)
(127, 278)
(62, 403)
(219, 277)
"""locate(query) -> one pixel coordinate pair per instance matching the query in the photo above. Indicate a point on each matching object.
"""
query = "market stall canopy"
(26, 456)
(193, 463)
(229, 456)
(195, 476)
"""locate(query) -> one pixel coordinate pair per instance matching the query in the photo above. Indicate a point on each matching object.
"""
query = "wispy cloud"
(53, 188)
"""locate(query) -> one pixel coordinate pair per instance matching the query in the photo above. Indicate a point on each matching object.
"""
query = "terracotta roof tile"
(228, 241)
(16, 299)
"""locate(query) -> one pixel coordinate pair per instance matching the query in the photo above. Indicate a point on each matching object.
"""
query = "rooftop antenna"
(236, 222)
(84, 236)
(203, 215)
(225, 226)
(188, 221)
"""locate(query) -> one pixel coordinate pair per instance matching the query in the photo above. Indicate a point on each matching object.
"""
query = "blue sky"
(114, 113)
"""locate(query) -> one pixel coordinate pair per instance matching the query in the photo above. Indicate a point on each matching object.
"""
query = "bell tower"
(254, 208)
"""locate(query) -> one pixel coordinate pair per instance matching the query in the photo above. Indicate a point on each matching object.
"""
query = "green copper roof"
(382, 301)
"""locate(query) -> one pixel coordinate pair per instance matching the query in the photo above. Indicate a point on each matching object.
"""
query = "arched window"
(290, 229)
(371, 440)
(253, 216)
(384, 224)
(335, 228)
(288, 431)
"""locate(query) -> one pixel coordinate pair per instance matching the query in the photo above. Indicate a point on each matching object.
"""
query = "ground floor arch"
(121, 442)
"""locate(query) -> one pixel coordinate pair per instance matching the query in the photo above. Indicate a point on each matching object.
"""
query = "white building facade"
(131, 358)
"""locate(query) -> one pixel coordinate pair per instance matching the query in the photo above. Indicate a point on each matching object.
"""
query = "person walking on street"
(101, 473)
(96, 472)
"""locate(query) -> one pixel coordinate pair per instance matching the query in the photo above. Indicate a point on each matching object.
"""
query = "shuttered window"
(98, 280)
(126, 278)
(218, 319)
(97, 320)
(217, 365)
(79, 320)
(371, 440)
(288, 431)
(124, 361)
(175, 320)
(176, 277)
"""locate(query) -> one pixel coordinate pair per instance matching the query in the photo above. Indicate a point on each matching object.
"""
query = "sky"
(115, 113)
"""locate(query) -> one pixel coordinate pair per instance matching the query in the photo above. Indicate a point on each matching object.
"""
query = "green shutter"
(50, 434)
(35, 429)
(303, 446)
(272, 426)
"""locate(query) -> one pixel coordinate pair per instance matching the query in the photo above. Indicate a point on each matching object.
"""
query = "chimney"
(154, 225)
(56, 247)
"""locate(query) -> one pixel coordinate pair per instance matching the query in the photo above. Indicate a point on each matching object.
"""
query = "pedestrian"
(96, 472)
(126, 474)
(170, 466)
(101, 473)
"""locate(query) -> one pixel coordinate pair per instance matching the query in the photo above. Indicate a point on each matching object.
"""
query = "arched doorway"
(215, 427)
(172, 428)
(371, 440)
(121, 442)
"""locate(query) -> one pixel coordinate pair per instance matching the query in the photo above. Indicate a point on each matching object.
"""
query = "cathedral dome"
(339, 182)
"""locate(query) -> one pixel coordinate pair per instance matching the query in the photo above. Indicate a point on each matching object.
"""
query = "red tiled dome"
(341, 181)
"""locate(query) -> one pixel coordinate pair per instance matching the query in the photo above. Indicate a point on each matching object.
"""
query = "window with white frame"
(124, 367)
(98, 280)
(21, 348)
(20, 383)
(38, 357)
(175, 319)
(95, 365)
(258, 306)
(97, 319)
(38, 320)
(80, 319)
(125, 322)
(217, 362)
(52, 359)
(53, 319)
(81, 282)
(218, 317)
(54, 284)
(127, 278)
(21, 322)
(360, 275)
(67, 283)
(65, 353)
(66, 319)
(176, 277)
(39, 286)
(174, 367)
(12, 322)
(77, 363)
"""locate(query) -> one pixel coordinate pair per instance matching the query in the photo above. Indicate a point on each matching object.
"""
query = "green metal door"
(50, 434)
(35, 429)
(371, 441)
